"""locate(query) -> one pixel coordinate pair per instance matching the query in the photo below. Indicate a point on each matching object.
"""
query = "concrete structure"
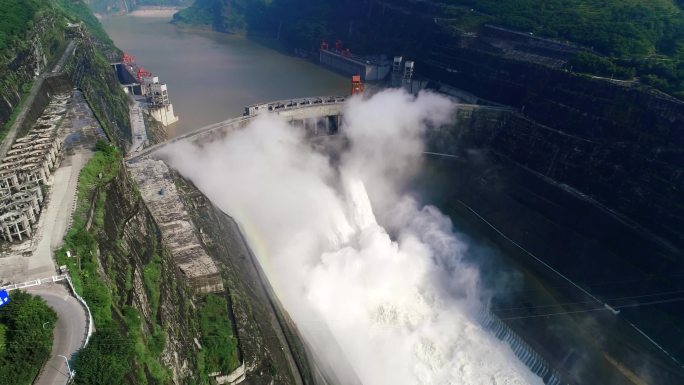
(159, 192)
(369, 68)
(77, 133)
(28, 164)
(153, 174)
(177, 231)
(159, 106)
(233, 378)
(408, 70)
(143, 83)
(163, 114)
(303, 112)
(139, 133)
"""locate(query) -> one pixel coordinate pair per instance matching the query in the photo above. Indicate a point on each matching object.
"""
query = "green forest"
(26, 327)
(643, 38)
(630, 37)
(16, 15)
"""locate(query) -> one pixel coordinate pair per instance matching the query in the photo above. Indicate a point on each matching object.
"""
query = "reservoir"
(213, 76)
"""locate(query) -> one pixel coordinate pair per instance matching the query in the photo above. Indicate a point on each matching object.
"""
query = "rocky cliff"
(621, 145)
(90, 71)
(24, 60)
(129, 245)
(269, 343)
(502, 182)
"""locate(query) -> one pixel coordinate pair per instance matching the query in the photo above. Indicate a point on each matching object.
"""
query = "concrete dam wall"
(321, 120)
(500, 180)
(494, 170)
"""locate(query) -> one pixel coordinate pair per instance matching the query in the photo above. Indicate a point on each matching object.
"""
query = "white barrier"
(36, 282)
(53, 279)
(91, 325)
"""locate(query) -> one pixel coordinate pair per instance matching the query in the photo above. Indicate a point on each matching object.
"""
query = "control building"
(159, 106)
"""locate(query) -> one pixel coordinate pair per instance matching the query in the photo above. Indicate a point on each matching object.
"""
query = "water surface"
(212, 76)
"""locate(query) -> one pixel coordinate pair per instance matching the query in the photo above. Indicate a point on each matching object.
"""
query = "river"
(212, 76)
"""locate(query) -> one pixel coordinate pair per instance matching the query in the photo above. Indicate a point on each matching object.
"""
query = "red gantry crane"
(357, 86)
(142, 73)
(128, 59)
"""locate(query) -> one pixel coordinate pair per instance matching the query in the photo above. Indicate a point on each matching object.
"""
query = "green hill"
(627, 37)
(16, 15)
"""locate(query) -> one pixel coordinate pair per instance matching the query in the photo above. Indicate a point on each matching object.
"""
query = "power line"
(604, 308)
(585, 302)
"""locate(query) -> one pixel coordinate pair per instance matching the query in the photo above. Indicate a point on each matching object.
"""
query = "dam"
(472, 195)
(320, 118)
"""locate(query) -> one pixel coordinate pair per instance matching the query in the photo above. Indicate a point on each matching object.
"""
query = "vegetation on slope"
(219, 345)
(25, 22)
(25, 26)
(16, 16)
(26, 328)
(614, 27)
(119, 350)
(628, 37)
(77, 11)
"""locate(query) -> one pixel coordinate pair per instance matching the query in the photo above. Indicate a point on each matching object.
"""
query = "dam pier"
(145, 89)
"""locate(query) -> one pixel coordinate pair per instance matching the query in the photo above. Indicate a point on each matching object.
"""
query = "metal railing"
(54, 279)
(91, 326)
(35, 282)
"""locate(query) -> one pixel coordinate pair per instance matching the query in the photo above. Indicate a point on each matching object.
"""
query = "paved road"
(139, 134)
(69, 332)
(55, 217)
(34, 259)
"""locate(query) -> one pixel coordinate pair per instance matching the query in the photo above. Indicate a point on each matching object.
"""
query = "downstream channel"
(212, 76)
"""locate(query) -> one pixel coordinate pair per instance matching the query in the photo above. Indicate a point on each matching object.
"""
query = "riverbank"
(212, 76)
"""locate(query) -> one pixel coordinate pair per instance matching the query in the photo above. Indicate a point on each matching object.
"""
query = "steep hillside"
(31, 37)
(618, 38)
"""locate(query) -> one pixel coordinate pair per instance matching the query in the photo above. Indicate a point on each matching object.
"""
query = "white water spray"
(403, 309)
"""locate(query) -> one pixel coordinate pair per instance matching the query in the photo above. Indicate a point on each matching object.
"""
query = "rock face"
(132, 241)
(520, 176)
(90, 72)
(269, 344)
(159, 192)
(621, 145)
(43, 42)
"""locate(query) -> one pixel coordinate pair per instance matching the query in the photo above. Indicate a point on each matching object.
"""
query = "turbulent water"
(357, 262)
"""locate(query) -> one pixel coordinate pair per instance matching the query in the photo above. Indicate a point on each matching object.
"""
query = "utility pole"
(71, 374)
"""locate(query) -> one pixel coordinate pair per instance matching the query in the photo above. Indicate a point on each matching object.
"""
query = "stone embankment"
(129, 243)
(159, 193)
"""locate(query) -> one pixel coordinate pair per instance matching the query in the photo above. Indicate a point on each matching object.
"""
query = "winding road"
(69, 333)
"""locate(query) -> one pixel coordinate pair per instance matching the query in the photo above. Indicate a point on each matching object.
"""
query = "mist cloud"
(356, 261)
